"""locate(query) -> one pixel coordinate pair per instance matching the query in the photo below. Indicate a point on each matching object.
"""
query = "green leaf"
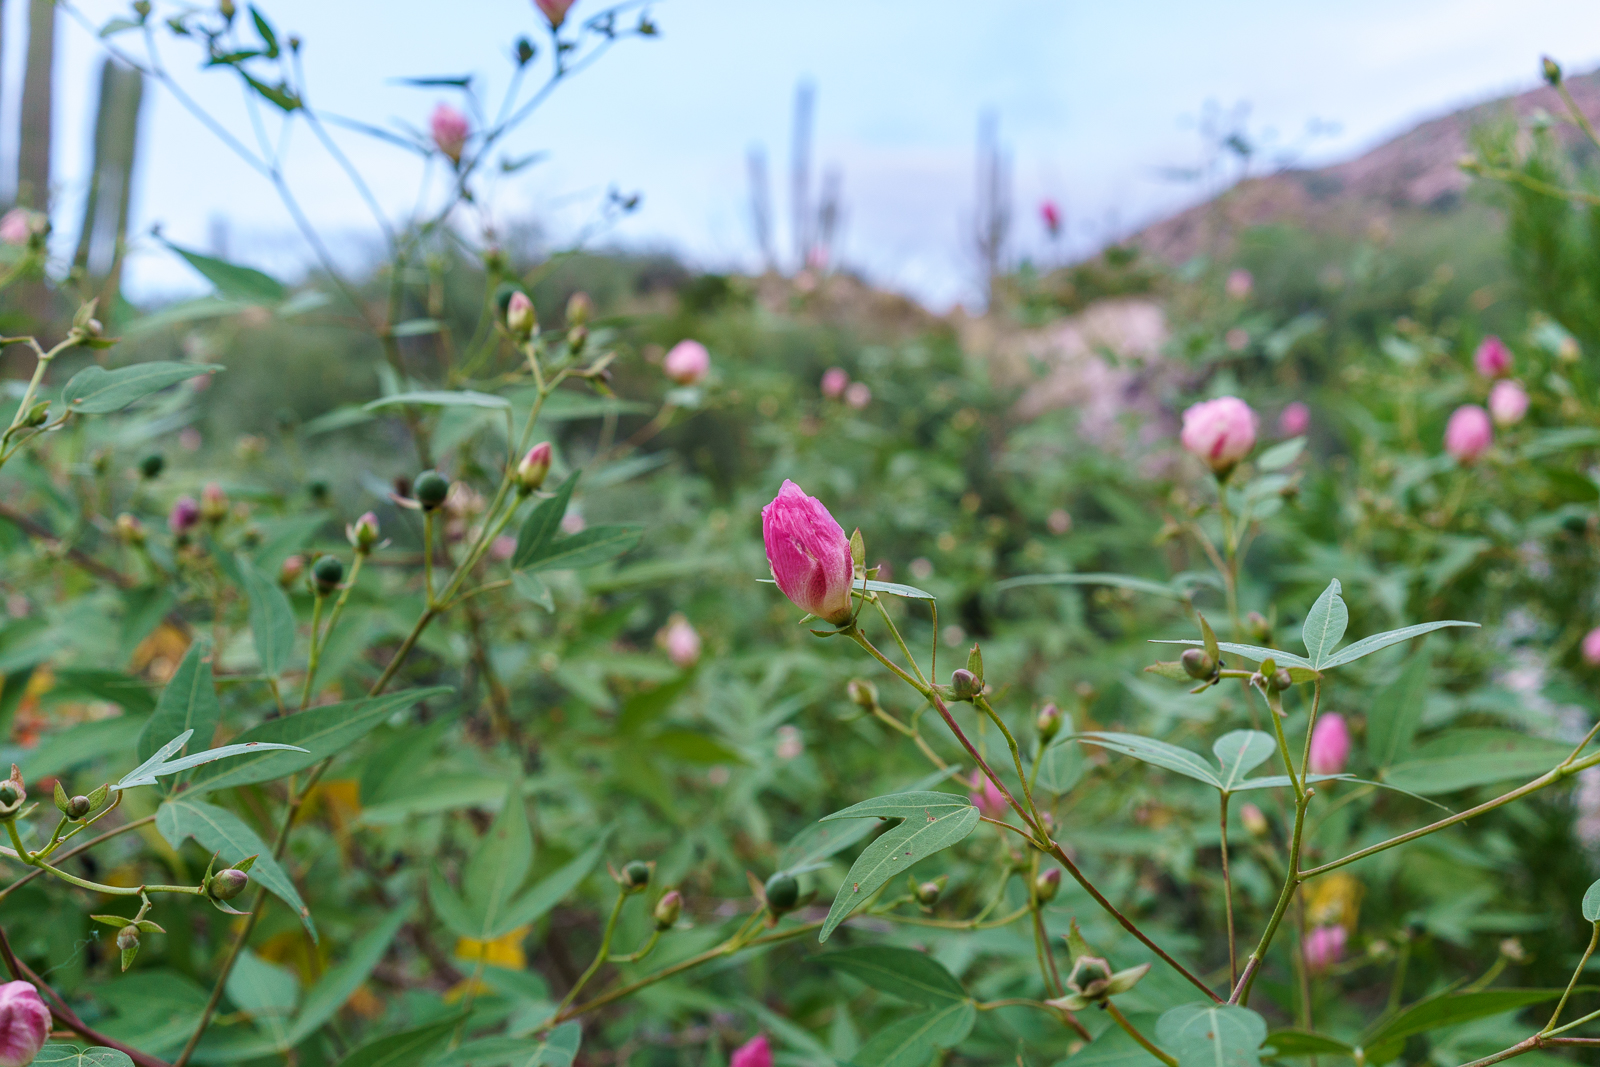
(220, 830)
(1591, 903)
(499, 864)
(265, 992)
(404, 1049)
(440, 398)
(1158, 753)
(540, 527)
(546, 894)
(416, 328)
(271, 619)
(1368, 645)
(918, 804)
(97, 391)
(558, 1049)
(1396, 713)
(911, 1042)
(1114, 1048)
(232, 280)
(73, 1056)
(134, 695)
(1253, 653)
(532, 588)
(158, 766)
(901, 972)
(915, 838)
(1240, 752)
(1465, 758)
(1120, 581)
(1304, 1043)
(1325, 625)
(597, 544)
(1281, 455)
(1450, 1009)
(189, 702)
(1204, 1034)
(319, 732)
(338, 984)
(895, 588)
(264, 28)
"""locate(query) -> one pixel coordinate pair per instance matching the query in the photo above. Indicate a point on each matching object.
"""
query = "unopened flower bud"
(1254, 821)
(1047, 885)
(152, 465)
(668, 908)
(783, 892)
(12, 794)
(363, 533)
(1280, 680)
(1256, 625)
(130, 529)
(184, 516)
(78, 807)
(318, 491)
(1511, 948)
(327, 573)
(142, 8)
(862, 693)
(227, 884)
(37, 414)
(292, 570)
(1048, 722)
(431, 488)
(577, 337)
(521, 319)
(1198, 664)
(534, 468)
(525, 51)
(1551, 70)
(579, 308)
(636, 875)
(964, 685)
(128, 939)
(928, 894)
(213, 503)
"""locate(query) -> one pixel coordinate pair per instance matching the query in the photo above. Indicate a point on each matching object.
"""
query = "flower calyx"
(1092, 982)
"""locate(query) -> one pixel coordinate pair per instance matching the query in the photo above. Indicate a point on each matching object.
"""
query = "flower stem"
(1133, 1032)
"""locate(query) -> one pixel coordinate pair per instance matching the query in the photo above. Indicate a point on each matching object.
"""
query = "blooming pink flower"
(987, 797)
(1051, 215)
(24, 1024)
(556, 12)
(681, 642)
(184, 516)
(450, 129)
(1330, 745)
(858, 395)
(1324, 945)
(1221, 432)
(834, 380)
(1493, 358)
(1240, 283)
(15, 226)
(1508, 402)
(687, 363)
(809, 553)
(1591, 647)
(753, 1053)
(1468, 433)
(1295, 420)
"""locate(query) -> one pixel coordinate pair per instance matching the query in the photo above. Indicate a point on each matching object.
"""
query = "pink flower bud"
(1295, 420)
(503, 547)
(1324, 945)
(15, 226)
(363, 533)
(24, 1024)
(1239, 285)
(1051, 216)
(556, 12)
(858, 395)
(520, 316)
(809, 554)
(1493, 358)
(834, 381)
(185, 515)
(1330, 745)
(450, 129)
(681, 642)
(1468, 433)
(753, 1053)
(1221, 432)
(1591, 647)
(1508, 402)
(1254, 821)
(687, 363)
(987, 797)
(534, 468)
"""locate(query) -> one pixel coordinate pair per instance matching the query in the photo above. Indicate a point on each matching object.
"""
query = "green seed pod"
(431, 488)
(636, 875)
(151, 466)
(328, 572)
(782, 892)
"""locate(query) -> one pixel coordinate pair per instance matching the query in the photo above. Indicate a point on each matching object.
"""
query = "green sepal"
(975, 662)
(98, 797)
(1171, 669)
(61, 798)
(115, 921)
(1210, 637)
(128, 955)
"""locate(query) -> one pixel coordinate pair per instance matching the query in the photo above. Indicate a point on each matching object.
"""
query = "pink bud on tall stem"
(834, 382)
(1508, 402)
(1493, 358)
(687, 363)
(809, 554)
(450, 129)
(1591, 647)
(24, 1024)
(1324, 946)
(1330, 745)
(1220, 432)
(1468, 434)
(555, 11)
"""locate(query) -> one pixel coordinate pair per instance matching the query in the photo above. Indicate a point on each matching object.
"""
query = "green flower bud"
(783, 892)
(318, 490)
(525, 51)
(928, 894)
(579, 309)
(431, 488)
(152, 465)
(1047, 885)
(1048, 722)
(636, 876)
(327, 572)
(1280, 680)
(668, 908)
(78, 807)
(1198, 664)
(1551, 70)
(964, 685)
(227, 884)
(862, 693)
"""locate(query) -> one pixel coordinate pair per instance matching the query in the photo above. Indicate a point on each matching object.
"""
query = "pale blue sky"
(1094, 99)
